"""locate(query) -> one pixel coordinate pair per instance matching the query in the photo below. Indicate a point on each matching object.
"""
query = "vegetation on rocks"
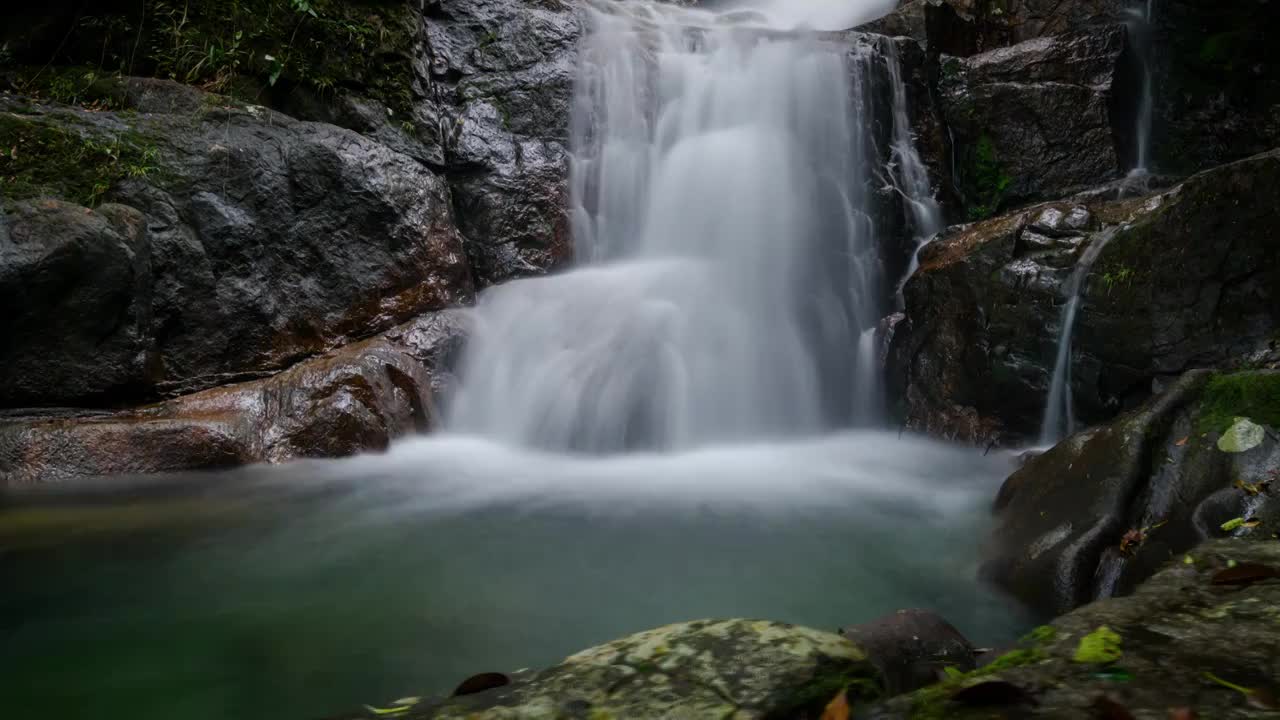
(44, 158)
(1251, 394)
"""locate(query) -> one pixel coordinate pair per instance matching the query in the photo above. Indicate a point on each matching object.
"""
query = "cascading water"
(730, 281)
(909, 176)
(1059, 419)
(1141, 33)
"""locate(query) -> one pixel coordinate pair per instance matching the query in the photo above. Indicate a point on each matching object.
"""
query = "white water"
(1059, 418)
(730, 281)
(909, 176)
(1141, 30)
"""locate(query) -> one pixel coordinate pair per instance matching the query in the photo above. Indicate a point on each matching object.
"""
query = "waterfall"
(908, 174)
(1141, 32)
(1059, 419)
(729, 281)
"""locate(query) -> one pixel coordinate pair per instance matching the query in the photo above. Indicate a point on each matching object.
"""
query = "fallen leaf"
(1100, 647)
(838, 708)
(1245, 574)
(1232, 524)
(1183, 441)
(1262, 698)
(480, 683)
(992, 692)
(1251, 523)
(1107, 709)
(1243, 435)
(1184, 713)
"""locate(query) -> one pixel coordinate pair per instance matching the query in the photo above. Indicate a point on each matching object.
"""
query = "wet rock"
(355, 399)
(1217, 83)
(701, 669)
(1167, 638)
(1098, 513)
(1033, 120)
(500, 76)
(235, 242)
(910, 648)
(1188, 279)
(968, 27)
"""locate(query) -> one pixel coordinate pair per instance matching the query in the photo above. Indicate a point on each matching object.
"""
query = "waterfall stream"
(729, 280)
(1059, 418)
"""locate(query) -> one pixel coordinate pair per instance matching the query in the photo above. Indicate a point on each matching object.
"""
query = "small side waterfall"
(908, 174)
(1142, 35)
(730, 280)
(1059, 418)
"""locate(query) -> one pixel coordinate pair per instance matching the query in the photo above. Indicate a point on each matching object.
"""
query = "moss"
(810, 699)
(934, 702)
(47, 159)
(249, 49)
(987, 180)
(1251, 394)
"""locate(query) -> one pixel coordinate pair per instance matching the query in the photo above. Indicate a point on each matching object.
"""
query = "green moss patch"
(988, 181)
(1251, 394)
(43, 159)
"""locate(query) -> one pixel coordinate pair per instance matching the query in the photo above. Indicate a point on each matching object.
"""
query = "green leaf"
(952, 672)
(1100, 647)
(1232, 524)
(1243, 435)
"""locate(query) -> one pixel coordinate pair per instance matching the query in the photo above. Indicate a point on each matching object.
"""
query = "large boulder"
(355, 399)
(500, 80)
(234, 242)
(968, 27)
(1096, 515)
(702, 669)
(1188, 278)
(1034, 120)
(1199, 639)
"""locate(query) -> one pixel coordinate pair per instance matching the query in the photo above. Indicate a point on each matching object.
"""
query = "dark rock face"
(968, 27)
(500, 77)
(1175, 628)
(353, 400)
(1187, 279)
(1100, 512)
(1034, 120)
(255, 241)
(910, 648)
(1217, 83)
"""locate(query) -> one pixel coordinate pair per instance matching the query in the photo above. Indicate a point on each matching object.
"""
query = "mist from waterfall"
(729, 281)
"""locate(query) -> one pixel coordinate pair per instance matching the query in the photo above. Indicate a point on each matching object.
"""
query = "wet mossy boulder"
(1191, 640)
(703, 669)
(1189, 277)
(1098, 513)
(1032, 121)
(208, 244)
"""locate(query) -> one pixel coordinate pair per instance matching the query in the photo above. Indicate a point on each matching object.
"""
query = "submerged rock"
(1098, 513)
(355, 399)
(1173, 649)
(703, 669)
(1189, 278)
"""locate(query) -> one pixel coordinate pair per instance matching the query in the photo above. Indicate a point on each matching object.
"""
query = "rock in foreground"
(704, 669)
(1171, 650)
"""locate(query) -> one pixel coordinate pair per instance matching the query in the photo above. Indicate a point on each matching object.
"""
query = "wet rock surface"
(1170, 650)
(246, 242)
(500, 76)
(1033, 120)
(700, 669)
(1098, 513)
(355, 399)
(912, 648)
(1187, 279)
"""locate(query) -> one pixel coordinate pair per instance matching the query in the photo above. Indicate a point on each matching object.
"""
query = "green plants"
(988, 181)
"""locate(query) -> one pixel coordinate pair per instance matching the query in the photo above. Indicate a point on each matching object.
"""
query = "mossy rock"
(703, 669)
